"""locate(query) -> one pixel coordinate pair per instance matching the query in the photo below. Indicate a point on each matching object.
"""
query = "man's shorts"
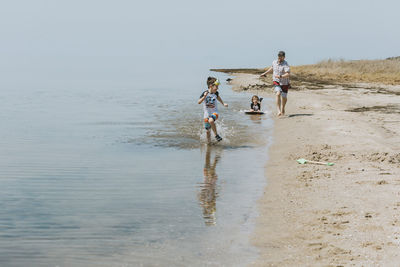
(281, 88)
(207, 125)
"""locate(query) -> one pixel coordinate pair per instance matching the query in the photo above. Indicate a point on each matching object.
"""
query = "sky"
(88, 42)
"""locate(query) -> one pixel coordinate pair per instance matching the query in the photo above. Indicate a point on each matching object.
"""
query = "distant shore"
(332, 72)
(315, 215)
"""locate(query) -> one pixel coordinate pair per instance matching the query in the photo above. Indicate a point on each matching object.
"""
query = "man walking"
(280, 78)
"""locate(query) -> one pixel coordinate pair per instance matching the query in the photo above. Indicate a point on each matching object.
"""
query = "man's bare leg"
(284, 101)
(278, 103)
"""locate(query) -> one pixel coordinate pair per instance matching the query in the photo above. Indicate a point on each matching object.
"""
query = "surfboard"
(253, 112)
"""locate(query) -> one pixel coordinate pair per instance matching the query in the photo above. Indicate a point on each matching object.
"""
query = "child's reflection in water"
(208, 189)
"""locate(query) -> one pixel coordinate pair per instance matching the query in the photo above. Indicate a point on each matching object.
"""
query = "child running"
(210, 108)
(255, 103)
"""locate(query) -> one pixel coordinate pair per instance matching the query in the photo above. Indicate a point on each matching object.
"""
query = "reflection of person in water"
(256, 119)
(208, 191)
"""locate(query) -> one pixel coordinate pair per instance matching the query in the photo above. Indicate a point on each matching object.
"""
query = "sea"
(123, 176)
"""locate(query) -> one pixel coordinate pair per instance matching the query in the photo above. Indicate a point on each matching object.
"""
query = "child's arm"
(203, 97)
(266, 72)
(222, 102)
(251, 107)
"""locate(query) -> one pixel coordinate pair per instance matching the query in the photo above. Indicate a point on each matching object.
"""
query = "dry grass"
(347, 74)
(386, 71)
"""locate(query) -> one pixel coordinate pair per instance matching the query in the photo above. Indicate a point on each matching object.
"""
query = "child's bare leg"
(284, 101)
(212, 123)
(208, 136)
(278, 103)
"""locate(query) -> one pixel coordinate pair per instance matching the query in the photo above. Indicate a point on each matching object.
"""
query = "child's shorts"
(207, 125)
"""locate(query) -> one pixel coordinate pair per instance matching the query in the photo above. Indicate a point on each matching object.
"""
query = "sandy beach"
(341, 215)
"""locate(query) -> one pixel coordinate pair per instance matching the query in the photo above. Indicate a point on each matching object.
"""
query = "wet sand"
(344, 215)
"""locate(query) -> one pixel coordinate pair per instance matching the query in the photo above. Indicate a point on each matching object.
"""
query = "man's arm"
(222, 102)
(266, 72)
(286, 75)
(287, 72)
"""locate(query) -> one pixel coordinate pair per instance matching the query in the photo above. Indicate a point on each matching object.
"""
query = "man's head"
(212, 84)
(281, 55)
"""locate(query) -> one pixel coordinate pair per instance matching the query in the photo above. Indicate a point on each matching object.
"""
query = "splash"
(185, 130)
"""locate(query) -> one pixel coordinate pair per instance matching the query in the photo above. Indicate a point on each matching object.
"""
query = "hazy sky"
(95, 41)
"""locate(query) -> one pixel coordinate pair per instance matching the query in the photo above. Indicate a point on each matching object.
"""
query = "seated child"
(255, 103)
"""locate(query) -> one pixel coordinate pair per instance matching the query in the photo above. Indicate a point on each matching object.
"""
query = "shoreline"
(346, 214)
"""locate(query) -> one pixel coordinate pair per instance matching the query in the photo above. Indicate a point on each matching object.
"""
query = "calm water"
(121, 177)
